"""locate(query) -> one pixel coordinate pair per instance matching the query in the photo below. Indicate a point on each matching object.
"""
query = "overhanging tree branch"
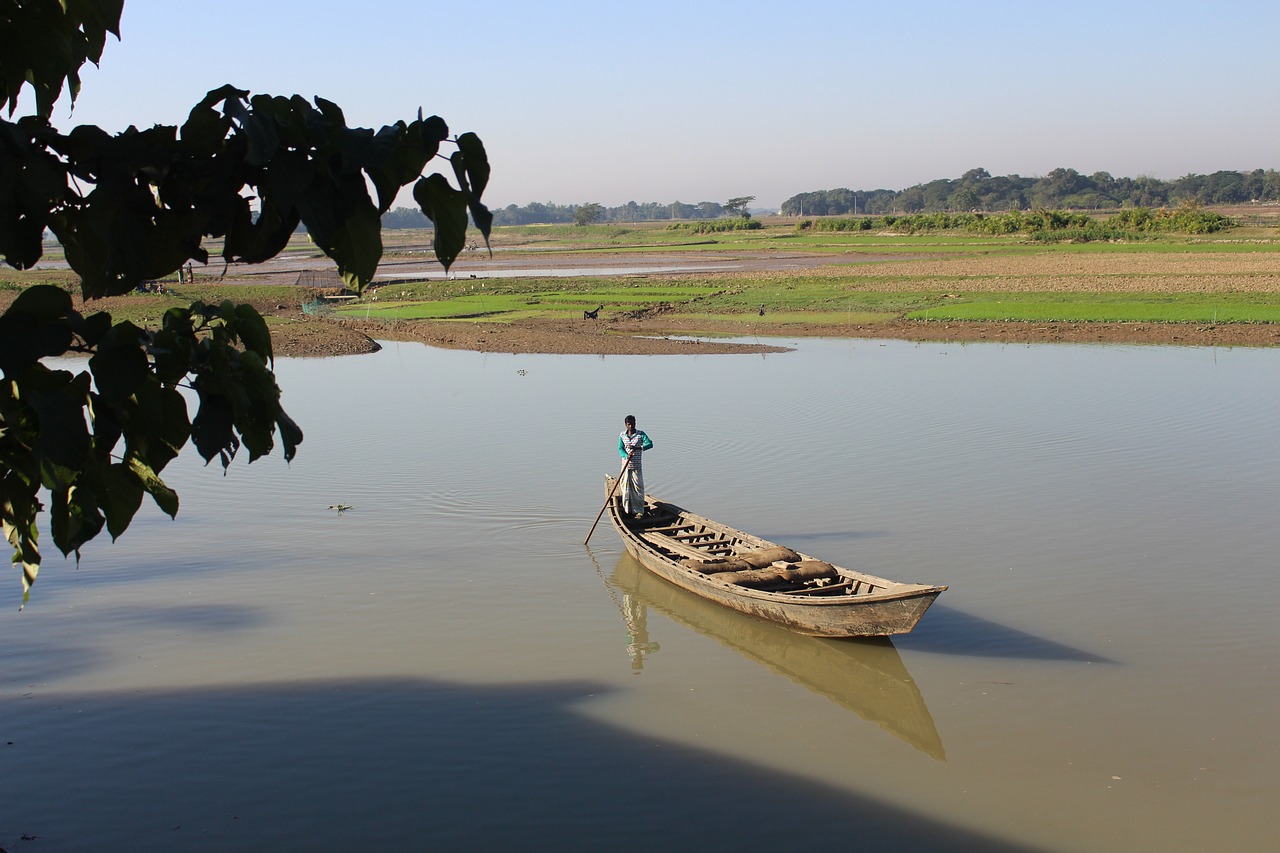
(137, 206)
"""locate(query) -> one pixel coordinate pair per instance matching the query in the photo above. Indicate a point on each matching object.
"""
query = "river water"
(446, 666)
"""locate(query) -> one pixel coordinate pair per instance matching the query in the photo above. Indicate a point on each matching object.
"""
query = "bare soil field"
(1149, 272)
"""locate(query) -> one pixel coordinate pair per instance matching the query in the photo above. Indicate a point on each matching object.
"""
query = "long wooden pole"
(609, 498)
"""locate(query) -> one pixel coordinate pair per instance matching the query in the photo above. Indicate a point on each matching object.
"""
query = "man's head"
(630, 422)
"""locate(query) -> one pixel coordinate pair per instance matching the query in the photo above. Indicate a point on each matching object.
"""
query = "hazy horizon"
(582, 102)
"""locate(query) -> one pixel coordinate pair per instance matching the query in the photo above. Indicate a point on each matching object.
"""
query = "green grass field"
(509, 301)
(828, 308)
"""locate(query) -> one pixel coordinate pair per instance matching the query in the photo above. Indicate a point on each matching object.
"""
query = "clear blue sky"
(702, 100)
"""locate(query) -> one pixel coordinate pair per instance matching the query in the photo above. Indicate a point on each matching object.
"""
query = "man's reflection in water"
(638, 645)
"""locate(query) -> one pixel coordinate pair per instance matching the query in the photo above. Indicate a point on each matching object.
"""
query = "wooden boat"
(766, 580)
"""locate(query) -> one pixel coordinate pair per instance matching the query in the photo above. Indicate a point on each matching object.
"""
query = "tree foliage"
(246, 169)
(588, 214)
(44, 45)
(738, 206)
(548, 213)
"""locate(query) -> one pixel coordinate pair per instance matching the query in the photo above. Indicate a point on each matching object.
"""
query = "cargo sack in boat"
(743, 562)
(805, 570)
(704, 566)
(769, 556)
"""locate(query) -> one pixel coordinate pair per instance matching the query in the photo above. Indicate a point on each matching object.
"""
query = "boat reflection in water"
(865, 676)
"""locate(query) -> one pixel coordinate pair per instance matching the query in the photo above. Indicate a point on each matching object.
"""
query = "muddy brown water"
(446, 666)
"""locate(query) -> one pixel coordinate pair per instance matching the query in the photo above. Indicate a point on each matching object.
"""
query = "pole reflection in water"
(865, 676)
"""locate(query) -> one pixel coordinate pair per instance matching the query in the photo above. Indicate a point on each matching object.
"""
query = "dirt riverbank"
(674, 336)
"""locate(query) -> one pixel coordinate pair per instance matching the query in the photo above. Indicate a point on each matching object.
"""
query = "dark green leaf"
(165, 497)
(433, 131)
(156, 425)
(396, 158)
(108, 428)
(357, 248)
(122, 496)
(42, 303)
(263, 133)
(211, 428)
(32, 182)
(74, 516)
(331, 111)
(252, 331)
(120, 364)
(205, 127)
(446, 207)
(94, 328)
(58, 399)
(255, 241)
(290, 435)
(477, 162)
(18, 510)
(37, 325)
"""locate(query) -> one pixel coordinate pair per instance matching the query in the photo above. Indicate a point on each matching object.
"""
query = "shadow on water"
(61, 576)
(203, 618)
(23, 664)
(404, 764)
(946, 631)
(866, 677)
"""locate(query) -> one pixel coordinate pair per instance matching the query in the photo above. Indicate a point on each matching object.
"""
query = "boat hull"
(891, 608)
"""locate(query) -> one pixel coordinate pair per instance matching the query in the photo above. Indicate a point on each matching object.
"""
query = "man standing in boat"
(632, 443)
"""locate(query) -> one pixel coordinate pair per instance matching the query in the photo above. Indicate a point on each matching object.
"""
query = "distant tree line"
(1063, 189)
(405, 217)
(538, 213)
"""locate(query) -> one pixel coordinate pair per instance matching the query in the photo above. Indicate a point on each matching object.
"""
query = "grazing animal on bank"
(592, 315)
(761, 310)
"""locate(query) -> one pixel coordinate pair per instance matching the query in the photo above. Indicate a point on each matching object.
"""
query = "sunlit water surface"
(445, 665)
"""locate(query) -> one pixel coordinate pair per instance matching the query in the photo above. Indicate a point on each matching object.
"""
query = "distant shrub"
(1095, 233)
(1187, 219)
(1137, 218)
(1041, 225)
(714, 226)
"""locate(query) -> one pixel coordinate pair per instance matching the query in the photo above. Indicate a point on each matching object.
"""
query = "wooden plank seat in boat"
(691, 534)
(709, 541)
(673, 545)
(848, 587)
(670, 529)
(830, 589)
